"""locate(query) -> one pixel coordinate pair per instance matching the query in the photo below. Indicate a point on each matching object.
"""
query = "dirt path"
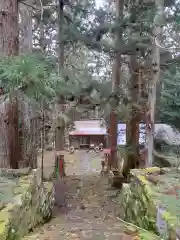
(88, 212)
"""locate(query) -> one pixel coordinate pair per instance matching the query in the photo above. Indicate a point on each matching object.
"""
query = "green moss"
(143, 179)
(5, 213)
(17, 219)
(172, 220)
(48, 186)
(4, 228)
(153, 170)
(141, 197)
(147, 235)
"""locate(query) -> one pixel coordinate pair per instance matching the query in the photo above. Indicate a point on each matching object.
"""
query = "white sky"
(99, 3)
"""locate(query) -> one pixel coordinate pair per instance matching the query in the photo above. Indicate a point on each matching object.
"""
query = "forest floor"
(88, 209)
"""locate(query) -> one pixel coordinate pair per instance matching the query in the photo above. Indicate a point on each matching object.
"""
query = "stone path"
(89, 211)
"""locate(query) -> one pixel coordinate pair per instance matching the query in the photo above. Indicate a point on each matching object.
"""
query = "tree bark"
(25, 29)
(42, 37)
(9, 28)
(9, 46)
(60, 34)
(132, 127)
(115, 85)
(13, 133)
(59, 134)
(158, 22)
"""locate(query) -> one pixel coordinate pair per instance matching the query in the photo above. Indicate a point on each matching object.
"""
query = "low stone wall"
(31, 205)
(143, 201)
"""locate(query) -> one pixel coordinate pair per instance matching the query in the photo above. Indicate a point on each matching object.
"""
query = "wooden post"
(59, 166)
(56, 167)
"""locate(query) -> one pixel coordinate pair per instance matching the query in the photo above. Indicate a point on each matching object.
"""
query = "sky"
(99, 3)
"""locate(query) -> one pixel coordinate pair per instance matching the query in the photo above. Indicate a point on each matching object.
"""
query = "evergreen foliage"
(29, 73)
(170, 103)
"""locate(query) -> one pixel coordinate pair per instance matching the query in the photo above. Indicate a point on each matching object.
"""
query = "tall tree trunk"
(158, 22)
(9, 28)
(115, 86)
(25, 28)
(132, 127)
(13, 132)
(42, 37)
(159, 88)
(28, 144)
(60, 34)
(59, 134)
(9, 46)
